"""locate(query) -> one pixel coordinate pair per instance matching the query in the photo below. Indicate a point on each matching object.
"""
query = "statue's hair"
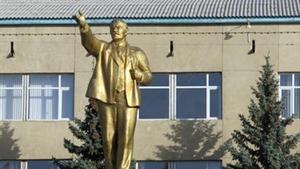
(115, 21)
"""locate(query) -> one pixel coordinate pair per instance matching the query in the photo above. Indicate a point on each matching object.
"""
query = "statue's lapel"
(115, 56)
(128, 58)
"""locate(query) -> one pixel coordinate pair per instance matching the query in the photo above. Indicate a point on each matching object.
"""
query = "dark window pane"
(216, 103)
(297, 79)
(214, 165)
(191, 103)
(191, 79)
(152, 165)
(160, 80)
(215, 79)
(285, 79)
(67, 96)
(10, 165)
(67, 80)
(286, 100)
(297, 104)
(191, 165)
(155, 104)
(67, 104)
(43, 80)
(41, 165)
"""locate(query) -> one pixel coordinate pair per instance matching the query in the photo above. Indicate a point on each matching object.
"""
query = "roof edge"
(155, 21)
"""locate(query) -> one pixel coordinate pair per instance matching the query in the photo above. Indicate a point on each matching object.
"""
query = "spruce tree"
(263, 143)
(88, 155)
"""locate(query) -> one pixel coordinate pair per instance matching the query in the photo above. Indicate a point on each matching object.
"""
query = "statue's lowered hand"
(135, 74)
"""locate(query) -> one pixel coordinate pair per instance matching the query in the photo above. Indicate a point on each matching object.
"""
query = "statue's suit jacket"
(102, 85)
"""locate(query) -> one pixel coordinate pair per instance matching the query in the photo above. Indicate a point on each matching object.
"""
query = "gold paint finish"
(114, 89)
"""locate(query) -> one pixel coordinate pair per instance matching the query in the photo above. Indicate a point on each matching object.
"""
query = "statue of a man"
(114, 88)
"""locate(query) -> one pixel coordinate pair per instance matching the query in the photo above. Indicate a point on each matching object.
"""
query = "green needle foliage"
(88, 155)
(263, 143)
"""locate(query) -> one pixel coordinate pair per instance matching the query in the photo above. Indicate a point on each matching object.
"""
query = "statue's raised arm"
(88, 40)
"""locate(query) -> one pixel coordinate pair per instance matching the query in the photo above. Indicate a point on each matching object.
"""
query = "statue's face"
(118, 31)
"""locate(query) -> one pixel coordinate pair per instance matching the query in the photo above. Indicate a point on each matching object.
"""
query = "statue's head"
(118, 29)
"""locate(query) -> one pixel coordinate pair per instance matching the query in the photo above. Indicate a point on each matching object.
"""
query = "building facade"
(205, 56)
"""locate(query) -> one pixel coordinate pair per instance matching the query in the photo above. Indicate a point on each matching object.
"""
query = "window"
(197, 165)
(182, 96)
(155, 98)
(152, 165)
(41, 165)
(11, 94)
(28, 165)
(179, 165)
(290, 94)
(10, 165)
(36, 97)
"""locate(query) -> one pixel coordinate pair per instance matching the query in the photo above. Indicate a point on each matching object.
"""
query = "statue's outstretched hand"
(80, 18)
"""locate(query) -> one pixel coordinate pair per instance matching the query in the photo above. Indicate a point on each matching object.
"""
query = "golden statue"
(113, 89)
